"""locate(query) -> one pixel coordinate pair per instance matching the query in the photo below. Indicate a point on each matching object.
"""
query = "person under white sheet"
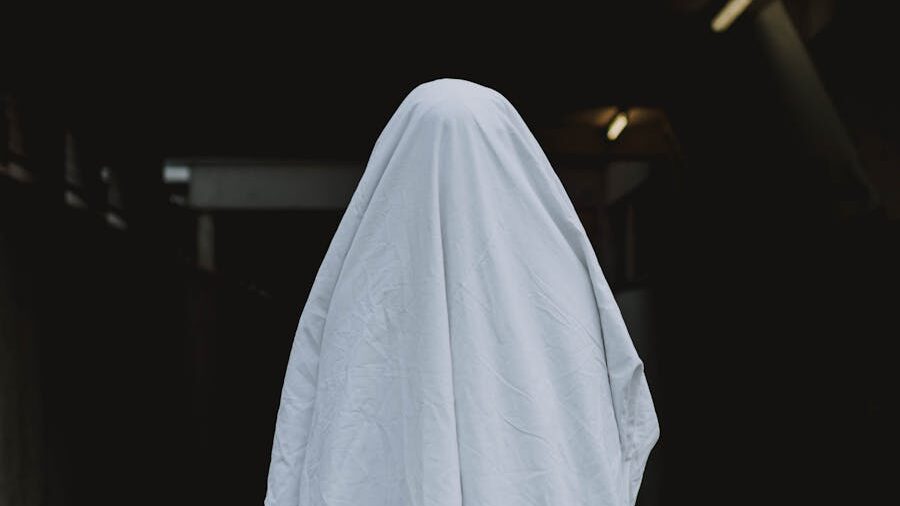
(460, 345)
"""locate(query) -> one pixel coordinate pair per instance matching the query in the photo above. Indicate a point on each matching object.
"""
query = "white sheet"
(460, 345)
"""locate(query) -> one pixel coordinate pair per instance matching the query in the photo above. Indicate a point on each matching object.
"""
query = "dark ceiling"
(272, 84)
(298, 86)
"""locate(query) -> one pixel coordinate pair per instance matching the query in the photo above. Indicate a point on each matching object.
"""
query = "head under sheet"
(460, 345)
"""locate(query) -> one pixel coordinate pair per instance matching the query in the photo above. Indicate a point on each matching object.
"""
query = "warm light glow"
(728, 14)
(616, 126)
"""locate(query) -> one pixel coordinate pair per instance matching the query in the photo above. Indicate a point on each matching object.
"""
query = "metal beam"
(254, 184)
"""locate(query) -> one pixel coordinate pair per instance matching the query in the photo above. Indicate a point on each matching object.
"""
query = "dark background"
(755, 260)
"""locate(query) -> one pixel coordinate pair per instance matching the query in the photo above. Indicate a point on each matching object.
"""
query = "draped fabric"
(460, 344)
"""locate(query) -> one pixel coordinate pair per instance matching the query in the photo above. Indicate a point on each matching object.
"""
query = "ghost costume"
(460, 345)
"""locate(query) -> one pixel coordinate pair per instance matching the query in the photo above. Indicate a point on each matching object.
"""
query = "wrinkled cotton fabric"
(460, 345)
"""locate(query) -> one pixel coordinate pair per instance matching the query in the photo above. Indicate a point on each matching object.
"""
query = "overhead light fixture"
(618, 123)
(728, 14)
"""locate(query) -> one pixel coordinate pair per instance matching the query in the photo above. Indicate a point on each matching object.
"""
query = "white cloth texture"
(460, 345)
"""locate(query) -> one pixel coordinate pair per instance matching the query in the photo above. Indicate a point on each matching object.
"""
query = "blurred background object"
(164, 207)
